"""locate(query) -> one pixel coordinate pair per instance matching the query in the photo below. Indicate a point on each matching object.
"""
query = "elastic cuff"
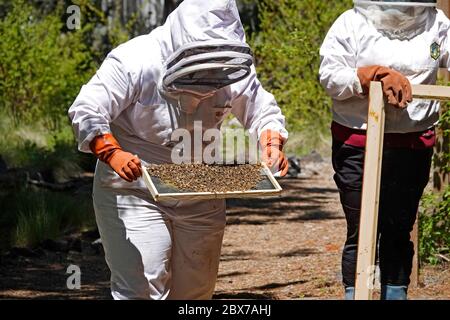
(282, 131)
(104, 147)
(357, 86)
(84, 146)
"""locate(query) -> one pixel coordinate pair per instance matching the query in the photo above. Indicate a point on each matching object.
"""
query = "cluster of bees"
(208, 178)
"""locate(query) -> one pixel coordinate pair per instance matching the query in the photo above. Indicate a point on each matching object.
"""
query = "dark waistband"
(411, 140)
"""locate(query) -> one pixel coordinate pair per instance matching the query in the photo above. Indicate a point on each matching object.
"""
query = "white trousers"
(155, 251)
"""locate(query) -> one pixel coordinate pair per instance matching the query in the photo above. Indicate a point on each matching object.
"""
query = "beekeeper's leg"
(197, 241)
(137, 242)
(348, 167)
(405, 174)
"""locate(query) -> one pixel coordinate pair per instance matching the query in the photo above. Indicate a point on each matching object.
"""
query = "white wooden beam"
(365, 267)
(430, 92)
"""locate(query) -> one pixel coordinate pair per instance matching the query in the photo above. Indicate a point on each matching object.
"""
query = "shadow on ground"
(46, 277)
(298, 202)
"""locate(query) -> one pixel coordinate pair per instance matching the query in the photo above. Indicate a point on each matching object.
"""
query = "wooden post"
(414, 278)
(442, 179)
(365, 267)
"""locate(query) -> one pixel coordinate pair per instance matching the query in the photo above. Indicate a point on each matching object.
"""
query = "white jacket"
(352, 42)
(123, 98)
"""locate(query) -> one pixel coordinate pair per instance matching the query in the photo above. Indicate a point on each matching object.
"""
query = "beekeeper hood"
(398, 19)
(204, 49)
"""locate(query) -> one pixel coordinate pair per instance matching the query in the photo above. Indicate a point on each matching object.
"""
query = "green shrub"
(101, 33)
(287, 57)
(41, 67)
(435, 226)
(434, 229)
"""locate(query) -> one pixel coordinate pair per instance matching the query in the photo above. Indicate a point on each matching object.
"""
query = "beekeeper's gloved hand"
(272, 145)
(106, 148)
(396, 86)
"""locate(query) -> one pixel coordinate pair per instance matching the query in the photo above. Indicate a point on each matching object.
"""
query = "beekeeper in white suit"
(196, 66)
(399, 44)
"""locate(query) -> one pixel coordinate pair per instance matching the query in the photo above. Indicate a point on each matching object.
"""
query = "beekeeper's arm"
(99, 102)
(258, 112)
(444, 61)
(342, 78)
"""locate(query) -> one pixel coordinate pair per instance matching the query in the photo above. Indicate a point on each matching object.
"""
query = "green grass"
(32, 146)
(28, 214)
(434, 226)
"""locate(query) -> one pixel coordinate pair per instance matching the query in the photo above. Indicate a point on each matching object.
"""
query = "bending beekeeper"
(196, 67)
(397, 43)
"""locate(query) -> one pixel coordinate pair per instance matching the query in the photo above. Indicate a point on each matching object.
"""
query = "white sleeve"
(256, 108)
(100, 101)
(444, 61)
(338, 67)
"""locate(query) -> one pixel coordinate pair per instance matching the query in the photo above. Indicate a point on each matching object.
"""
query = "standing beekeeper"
(196, 67)
(397, 43)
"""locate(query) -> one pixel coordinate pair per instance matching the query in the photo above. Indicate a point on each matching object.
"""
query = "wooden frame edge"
(214, 195)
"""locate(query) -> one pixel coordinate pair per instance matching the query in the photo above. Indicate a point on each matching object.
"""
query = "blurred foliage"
(287, 58)
(103, 31)
(33, 147)
(30, 216)
(442, 155)
(435, 226)
(41, 67)
(435, 208)
(249, 14)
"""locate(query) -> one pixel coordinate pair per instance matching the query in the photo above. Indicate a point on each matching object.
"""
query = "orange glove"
(106, 148)
(272, 145)
(396, 86)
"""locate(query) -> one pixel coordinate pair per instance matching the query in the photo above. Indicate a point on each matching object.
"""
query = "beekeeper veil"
(398, 19)
(204, 50)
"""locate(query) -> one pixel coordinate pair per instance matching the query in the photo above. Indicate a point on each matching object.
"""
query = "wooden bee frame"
(365, 267)
(269, 186)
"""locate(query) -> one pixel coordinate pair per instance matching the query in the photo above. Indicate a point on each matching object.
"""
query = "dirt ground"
(276, 248)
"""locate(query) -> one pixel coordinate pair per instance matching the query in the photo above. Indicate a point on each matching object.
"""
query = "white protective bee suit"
(167, 250)
(417, 52)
